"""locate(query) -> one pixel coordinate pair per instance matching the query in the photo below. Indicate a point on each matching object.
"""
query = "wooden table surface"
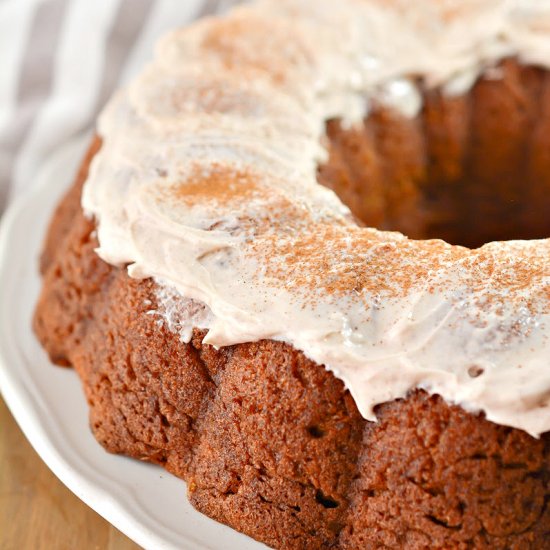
(37, 512)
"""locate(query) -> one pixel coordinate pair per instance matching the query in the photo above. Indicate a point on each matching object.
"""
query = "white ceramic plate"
(143, 501)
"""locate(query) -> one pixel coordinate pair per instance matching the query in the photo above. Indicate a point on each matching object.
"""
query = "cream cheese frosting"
(206, 181)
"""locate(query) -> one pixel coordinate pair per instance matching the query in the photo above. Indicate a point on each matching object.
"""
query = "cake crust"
(269, 442)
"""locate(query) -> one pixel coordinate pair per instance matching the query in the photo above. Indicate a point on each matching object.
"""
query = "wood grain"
(36, 510)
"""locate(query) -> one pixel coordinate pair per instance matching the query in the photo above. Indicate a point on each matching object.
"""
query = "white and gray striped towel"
(59, 62)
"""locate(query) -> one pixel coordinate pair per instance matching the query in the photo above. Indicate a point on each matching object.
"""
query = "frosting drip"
(206, 181)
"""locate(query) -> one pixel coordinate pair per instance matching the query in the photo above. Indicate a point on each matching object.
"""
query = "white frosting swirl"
(206, 181)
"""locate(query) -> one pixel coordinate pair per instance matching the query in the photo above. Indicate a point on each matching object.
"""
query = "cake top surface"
(206, 181)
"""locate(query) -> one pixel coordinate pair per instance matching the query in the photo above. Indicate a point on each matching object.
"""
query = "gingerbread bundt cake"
(215, 278)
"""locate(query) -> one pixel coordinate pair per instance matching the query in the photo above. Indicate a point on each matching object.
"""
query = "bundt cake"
(231, 279)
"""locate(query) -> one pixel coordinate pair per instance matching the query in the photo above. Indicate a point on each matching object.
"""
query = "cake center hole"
(466, 170)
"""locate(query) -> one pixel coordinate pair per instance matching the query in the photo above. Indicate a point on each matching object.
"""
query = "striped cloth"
(59, 62)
